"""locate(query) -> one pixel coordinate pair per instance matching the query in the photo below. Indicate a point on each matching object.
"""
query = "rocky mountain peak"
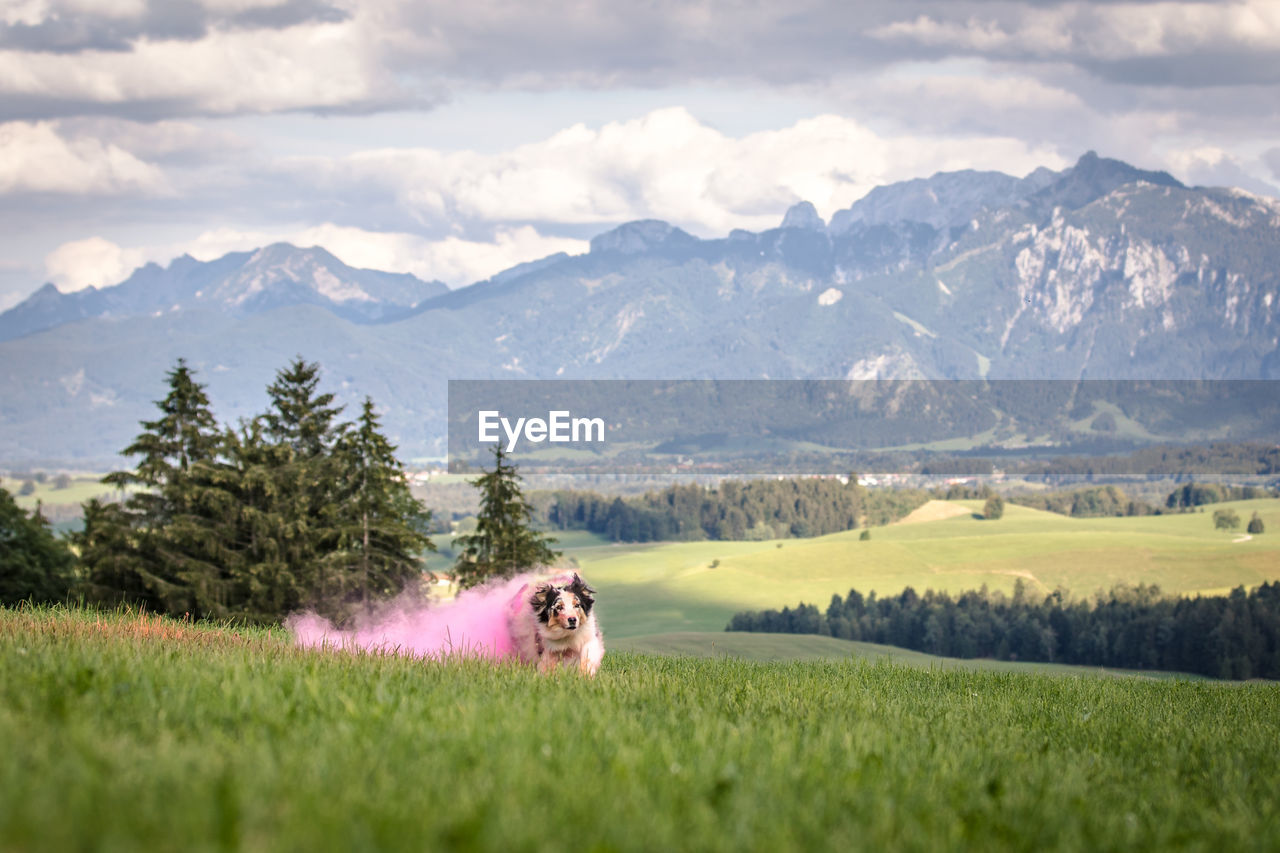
(1093, 177)
(803, 215)
(645, 235)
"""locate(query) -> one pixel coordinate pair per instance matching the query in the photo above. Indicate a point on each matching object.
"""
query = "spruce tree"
(34, 564)
(382, 527)
(292, 452)
(153, 550)
(261, 540)
(299, 417)
(504, 543)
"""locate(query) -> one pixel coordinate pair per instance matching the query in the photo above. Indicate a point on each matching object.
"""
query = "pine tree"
(1256, 525)
(294, 450)
(34, 564)
(153, 549)
(382, 527)
(504, 543)
(299, 417)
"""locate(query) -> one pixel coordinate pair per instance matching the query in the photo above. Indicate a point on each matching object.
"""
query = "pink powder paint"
(474, 624)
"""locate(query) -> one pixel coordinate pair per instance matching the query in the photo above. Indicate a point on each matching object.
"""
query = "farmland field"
(658, 588)
(124, 733)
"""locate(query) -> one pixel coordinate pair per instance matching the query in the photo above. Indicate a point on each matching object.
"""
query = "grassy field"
(784, 647)
(82, 488)
(129, 734)
(658, 588)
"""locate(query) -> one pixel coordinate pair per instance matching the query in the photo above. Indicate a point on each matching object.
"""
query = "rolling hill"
(671, 587)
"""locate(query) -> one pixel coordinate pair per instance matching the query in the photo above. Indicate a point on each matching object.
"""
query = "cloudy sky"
(453, 139)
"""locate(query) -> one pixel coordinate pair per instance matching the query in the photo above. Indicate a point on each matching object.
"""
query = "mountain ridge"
(1111, 272)
(243, 282)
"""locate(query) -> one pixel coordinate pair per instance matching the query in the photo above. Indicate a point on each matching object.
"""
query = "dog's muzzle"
(572, 622)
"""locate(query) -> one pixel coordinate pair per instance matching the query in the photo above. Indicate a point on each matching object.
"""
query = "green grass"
(659, 588)
(784, 647)
(82, 488)
(125, 735)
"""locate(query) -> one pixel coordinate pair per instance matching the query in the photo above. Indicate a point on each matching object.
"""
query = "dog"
(553, 624)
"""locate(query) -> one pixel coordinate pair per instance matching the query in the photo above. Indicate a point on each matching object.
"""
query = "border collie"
(552, 624)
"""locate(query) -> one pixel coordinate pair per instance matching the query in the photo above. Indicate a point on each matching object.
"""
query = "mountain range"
(1101, 270)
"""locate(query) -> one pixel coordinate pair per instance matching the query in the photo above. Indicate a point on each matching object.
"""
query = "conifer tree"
(303, 480)
(155, 546)
(299, 417)
(34, 564)
(382, 527)
(504, 543)
(263, 545)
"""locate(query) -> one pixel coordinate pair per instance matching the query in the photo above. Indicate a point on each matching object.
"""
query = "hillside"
(671, 587)
(812, 647)
(1100, 271)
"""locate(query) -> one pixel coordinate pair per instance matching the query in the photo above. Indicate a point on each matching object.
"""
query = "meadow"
(128, 733)
(82, 488)
(697, 586)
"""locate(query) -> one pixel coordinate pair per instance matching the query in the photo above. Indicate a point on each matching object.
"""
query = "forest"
(780, 508)
(1236, 636)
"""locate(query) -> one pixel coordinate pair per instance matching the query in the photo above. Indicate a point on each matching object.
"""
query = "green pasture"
(784, 647)
(659, 588)
(126, 734)
(82, 488)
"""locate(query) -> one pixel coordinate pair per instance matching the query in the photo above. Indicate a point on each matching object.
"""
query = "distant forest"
(804, 507)
(755, 509)
(1235, 636)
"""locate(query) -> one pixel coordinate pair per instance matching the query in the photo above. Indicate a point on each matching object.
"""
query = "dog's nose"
(573, 621)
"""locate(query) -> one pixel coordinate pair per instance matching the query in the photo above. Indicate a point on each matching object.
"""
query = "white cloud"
(93, 262)
(456, 261)
(1209, 165)
(452, 260)
(239, 5)
(96, 261)
(35, 157)
(1120, 31)
(311, 66)
(664, 165)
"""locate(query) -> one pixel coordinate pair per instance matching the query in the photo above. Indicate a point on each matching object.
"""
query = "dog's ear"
(543, 599)
(586, 595)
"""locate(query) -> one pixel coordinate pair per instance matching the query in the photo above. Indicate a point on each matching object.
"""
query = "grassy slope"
(82, 488)
(648, 589)
(780, 647)
(128, 735)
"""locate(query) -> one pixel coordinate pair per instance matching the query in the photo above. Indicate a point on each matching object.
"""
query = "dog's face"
(563, 609)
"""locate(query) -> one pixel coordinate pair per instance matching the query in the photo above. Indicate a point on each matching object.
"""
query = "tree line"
(291, 509)
(294, 509)
(1235, 636)
(750, 510)
(1247, 458)
(1105, 501)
